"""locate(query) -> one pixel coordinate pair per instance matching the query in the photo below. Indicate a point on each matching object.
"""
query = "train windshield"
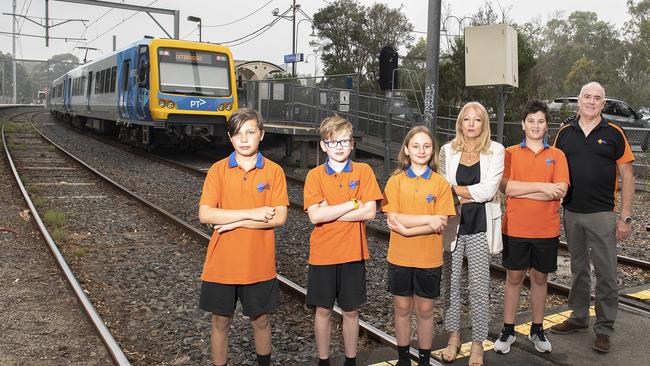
(193, 72)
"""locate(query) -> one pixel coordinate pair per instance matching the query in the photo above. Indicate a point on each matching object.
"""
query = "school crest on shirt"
(549, 162)
(354, 183)
(262, 186)
(430, 198)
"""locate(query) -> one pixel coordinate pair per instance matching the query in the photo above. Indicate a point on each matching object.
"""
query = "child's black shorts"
(519, 254)
(256, 298)
(407, 281)
(344, 282)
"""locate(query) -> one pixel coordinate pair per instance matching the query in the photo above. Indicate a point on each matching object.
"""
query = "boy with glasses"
(339, 196)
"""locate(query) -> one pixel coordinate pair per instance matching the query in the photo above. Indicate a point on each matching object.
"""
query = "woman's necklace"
(469, 155)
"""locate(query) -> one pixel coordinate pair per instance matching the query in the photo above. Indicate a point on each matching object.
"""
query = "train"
(152, 93)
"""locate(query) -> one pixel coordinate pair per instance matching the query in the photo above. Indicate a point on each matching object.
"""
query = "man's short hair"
(533, 106)
(334, 125)
(592, 83)
(242, 115)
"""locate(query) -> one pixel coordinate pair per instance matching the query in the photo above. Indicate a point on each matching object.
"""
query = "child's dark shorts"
(256, 298)
(407, 281)
(520, 254)
(344, 282)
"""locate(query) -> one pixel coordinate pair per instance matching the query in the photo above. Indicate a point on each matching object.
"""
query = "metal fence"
(309, 100)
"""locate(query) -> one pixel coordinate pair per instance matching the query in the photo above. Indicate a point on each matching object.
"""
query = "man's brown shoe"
(601, 344)
(566, 327)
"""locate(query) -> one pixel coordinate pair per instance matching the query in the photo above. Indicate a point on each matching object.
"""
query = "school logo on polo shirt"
(602, 142)
(549, 162)
(430, 198)
(354, 184)
(262, 186)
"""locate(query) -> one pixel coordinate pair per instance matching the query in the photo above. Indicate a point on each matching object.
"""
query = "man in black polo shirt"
(596, 151)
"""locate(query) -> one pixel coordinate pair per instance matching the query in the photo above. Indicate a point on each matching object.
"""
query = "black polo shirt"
(592, 164)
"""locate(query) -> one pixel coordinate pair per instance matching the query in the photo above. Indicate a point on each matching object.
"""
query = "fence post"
(387, 133)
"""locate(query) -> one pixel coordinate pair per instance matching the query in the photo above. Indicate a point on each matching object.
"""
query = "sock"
(264, 360)
(403, 352)
(424, 356)
(350, 361)
(535, 327)
(510, 328)
(323, 362)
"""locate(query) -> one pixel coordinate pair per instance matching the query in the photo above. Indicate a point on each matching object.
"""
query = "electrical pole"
(433, 54)
(293, 40)
(13, 64)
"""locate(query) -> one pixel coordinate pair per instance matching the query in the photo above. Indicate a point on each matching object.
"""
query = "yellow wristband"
(356, 204)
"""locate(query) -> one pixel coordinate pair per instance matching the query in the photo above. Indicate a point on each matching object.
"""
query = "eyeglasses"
(333, 144)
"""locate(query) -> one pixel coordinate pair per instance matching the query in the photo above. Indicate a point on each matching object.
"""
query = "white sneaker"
(541, 342)
(502, 345)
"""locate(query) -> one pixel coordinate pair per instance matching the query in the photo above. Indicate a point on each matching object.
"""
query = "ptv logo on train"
(197, 103)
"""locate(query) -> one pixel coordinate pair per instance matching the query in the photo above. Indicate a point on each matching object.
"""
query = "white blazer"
(486, 191)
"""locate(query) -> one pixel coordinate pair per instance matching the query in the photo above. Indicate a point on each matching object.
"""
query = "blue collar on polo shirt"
(546, 145)
(259, 164)
(411, 174)
(328, 169)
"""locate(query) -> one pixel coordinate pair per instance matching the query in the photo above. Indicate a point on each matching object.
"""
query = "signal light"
(228, 106)
(162, 103)
(170, 105)
(221, 107)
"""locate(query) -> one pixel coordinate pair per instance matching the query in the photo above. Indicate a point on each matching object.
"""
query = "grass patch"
(80, 253)
(24, 179)
(58, 234)
(54, 218)
(18, 127)
(38, 201)
(32, 189)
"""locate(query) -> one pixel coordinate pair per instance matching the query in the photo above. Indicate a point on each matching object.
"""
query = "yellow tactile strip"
(549, 321)
(643, 295)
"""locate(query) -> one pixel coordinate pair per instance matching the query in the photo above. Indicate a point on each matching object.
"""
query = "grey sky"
(269, 46)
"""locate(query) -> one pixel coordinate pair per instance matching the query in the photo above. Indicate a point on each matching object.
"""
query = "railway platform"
(628, 343)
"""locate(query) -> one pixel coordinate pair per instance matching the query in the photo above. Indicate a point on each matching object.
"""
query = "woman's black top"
(472, 215)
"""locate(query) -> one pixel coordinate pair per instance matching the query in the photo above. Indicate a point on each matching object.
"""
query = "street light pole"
(433, 53)
(197, 20)
(13, 64)
(293, 40)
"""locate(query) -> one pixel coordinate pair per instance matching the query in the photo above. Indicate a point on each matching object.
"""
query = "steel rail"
(105, 335)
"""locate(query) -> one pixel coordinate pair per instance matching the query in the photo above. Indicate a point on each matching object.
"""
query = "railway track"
(104, 334)
(200, 172)
(297, 291)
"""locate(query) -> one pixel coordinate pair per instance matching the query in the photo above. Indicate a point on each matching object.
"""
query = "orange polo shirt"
(242, 256)
(526, 218)
(339, 241)
(428, 194)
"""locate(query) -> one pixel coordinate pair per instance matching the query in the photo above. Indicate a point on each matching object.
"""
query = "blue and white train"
(155, 92)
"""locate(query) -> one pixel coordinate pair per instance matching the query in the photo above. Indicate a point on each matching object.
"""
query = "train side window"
(113, 78)
(107, 82)
(82, 84)
(126, 69)
(89, 88)
(97, 82)
(143, 73)
(102, 80)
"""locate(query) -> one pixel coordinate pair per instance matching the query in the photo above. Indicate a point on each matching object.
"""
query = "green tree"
(25, 86)
(44, 73)
(351, 35)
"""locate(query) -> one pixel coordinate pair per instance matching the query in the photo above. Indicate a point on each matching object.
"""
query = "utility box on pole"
(491, 56)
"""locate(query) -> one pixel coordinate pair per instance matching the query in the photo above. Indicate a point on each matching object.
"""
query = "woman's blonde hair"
(404, 161)
(483, 146)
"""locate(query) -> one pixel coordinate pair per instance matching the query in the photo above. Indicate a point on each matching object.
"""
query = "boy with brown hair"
(244, 197)
(339, 196)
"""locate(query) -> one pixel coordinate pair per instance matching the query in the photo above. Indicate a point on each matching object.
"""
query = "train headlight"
(221, 107)
(171, 105)
(161, 103)
(228, 107)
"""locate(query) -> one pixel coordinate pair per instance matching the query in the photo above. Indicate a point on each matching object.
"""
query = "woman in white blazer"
(473, 166)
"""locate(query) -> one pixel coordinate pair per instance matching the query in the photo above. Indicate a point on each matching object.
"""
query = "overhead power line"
(240, 19)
